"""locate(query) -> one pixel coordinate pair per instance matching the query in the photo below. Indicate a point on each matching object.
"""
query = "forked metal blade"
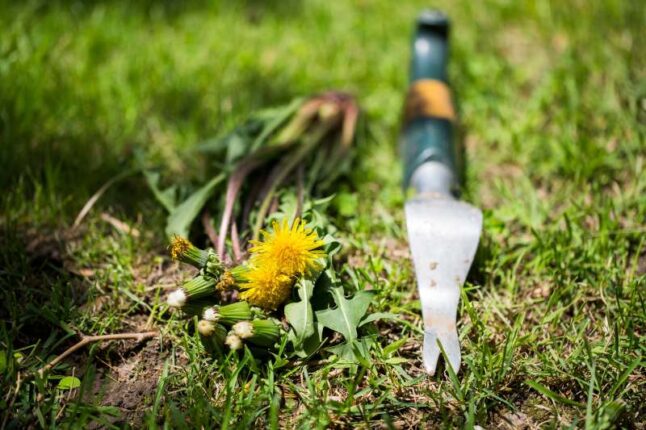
(443, 234)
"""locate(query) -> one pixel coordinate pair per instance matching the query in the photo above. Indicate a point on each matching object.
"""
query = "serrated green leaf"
(313, 342)
(322, 299)
(300, 315)
(181, 217)
(343, 350)
(289, 207)
(332, 245)
(69, 383)
(347, 314)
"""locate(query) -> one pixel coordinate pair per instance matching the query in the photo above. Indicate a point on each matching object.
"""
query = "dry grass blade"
(85, 340)
(120, 225)
(87, 207)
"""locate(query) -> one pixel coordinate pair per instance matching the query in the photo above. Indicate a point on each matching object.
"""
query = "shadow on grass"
(39, 289)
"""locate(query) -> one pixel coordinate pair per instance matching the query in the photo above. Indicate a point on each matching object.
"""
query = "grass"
(552, 318)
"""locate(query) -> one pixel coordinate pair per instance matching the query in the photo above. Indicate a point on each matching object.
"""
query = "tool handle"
(427, 134)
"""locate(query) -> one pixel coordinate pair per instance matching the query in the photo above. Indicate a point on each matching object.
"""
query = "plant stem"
(208, 227)
(85, 340)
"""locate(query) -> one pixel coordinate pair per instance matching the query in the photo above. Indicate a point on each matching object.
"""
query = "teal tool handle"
(427, 134)
(430, 48)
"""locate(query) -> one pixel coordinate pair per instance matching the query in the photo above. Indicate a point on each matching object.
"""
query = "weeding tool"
(443, 232)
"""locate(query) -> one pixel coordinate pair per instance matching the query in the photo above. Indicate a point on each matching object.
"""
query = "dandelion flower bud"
(211, 314)
(263, 332)
(212, 336)
(206, 328)
(234, 312)
(177, 298)
(204, 259)
(228, 314)
(183, 250)
(200, 286)
(233, 342)
(214, 266)
(243, 329)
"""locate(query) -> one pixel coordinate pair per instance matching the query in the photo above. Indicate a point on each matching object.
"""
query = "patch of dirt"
(391, 249)
(162, 275)
(131, 383)
(396, 250)
(515, 420)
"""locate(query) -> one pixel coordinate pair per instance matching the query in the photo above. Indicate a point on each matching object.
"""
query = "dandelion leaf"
(301, 316)
(347, 314)
(165, 197)
(180, 218)
(322, 298)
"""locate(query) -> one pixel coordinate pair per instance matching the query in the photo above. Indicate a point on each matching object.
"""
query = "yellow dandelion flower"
(266, 286)
(294, 250)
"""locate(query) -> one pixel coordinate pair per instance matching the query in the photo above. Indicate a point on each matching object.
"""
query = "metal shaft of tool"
(433, 177)
(439, 300)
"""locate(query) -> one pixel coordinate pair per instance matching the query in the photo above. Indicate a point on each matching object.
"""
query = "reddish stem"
(208, 227)
(235, 242)
(233, 187)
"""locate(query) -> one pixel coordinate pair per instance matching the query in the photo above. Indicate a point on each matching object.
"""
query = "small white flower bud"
(243, 329)
(210, 314)
(205, 328)
(233, 342)
(177, 298)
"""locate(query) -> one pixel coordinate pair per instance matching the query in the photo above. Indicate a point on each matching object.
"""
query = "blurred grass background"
(552, 99)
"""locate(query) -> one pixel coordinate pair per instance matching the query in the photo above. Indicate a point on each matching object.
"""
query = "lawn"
(552, 101)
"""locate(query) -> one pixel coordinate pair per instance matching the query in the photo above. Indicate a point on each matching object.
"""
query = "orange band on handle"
(428, 98)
